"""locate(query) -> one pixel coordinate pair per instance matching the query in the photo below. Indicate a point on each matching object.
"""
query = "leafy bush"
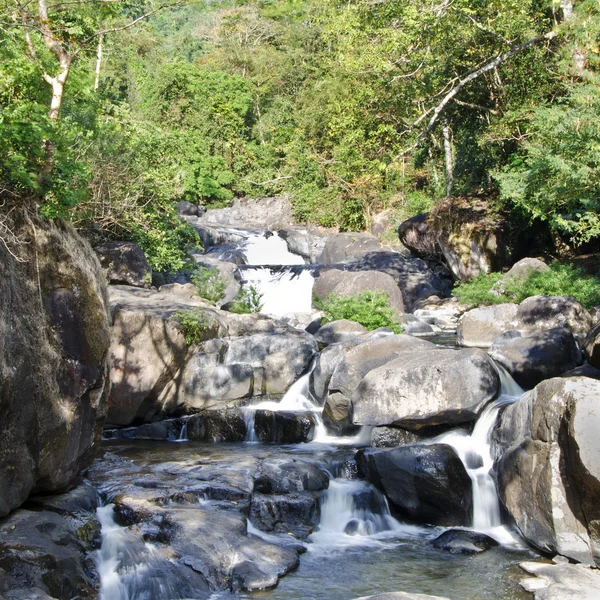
(249, 300)
(560, 280)
(209, 282)
(370, 309)
(193, 323)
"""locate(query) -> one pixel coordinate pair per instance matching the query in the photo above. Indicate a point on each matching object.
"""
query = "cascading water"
(474, 450)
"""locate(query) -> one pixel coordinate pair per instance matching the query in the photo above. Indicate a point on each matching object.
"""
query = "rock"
(334, 282)
(337, 415)
(416, 234)
(479, 327)
(591, 346)
(583, 371)
(227, 271)
(307, 243)
(343, 247)
(444, 315)
(460, 541)
(339, 331)
(418, 328)
(391, 437)
(283, 427)
(54, 336)
(248, 213)
(401, 596)
(561, 582)
(426, 387)
(188, 209)
(285, 475)
(295, 513)
(549, 466)
(169, 429)
(214, 235)
(381, 222)
(546, 312)
(217, 426)
(518, 273)
(124, 263)
(426, 483)
(541, 355)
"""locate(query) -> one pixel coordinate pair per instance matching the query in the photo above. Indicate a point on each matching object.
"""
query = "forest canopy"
(350, 107)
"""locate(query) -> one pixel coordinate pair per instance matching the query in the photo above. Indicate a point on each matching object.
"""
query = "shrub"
(209, 282)
(193, 324)
(370, 309)
(560, 280)
(249, 300)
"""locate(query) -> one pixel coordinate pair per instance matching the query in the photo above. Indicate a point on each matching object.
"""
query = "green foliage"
(560, 280)
(193, 324)
(209, 282)
(249, 300)
(370, 309)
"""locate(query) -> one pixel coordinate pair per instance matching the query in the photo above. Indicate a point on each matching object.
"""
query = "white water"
(283, 292)
(474, 450)
(183, 433)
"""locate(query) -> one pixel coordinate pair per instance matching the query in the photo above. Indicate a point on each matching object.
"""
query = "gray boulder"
(461, 541)
(561, 581)
(391, 437)
(546, 312)
(518, 273)
(285, 475)
(217, 426)
(479, 327)
(294, 513)
(591, 346)
(416, 234)
(339, 332)
(344, 247)
(124, 263)
(426, 387)
(549, 466)
(307, 243)
(334, 282)
(284, 427)
(248, 213)
(188, 209)
(426, 483)
(540, 355)
(337, 415)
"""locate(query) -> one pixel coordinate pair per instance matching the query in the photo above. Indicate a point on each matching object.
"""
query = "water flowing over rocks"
(426, 387)
(425, 483)
(54, 336)
(307, 243)
(402, 596)
(549, 468)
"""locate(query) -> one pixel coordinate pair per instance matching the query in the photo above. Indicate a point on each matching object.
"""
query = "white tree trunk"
(98, 63)
(448, 158)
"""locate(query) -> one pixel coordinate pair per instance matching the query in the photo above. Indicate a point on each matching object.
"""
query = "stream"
(357, 547)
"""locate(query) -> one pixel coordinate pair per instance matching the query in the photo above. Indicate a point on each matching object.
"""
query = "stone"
(307, 243)
(539, 355)
(227, 271)
(518, 273)
(427, 387)
(591, 346)
(391, 437)
(339, 331)
(54, 339)
(548, 468)
(337, 415)
(460, 541)
(124, 263)
(336, 283)
(344, 247)
(382, 222)
(426, 483)
(402, 596)
(416, 234)
(186, 208)
(561, 582)
(284, 427)
(418, 328)
(285, 475)
(444, 315)
(546, 312)
(479, 327)
(217, 426)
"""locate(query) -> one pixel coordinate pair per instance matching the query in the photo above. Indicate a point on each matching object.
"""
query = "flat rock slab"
(561, 582)
(402, 596)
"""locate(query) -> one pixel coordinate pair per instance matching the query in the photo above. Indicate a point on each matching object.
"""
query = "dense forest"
(112, 111)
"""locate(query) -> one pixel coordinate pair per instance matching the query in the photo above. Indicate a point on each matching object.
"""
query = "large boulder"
(334, 282)
(281, 475)
(479, 327)
(461, 541)
(54, 339)
(426, 387)
(307, 243)
(519, 273)
(546, 312)
(549, 466)
(427, 483)
(591, 346)
(284, 427)
(416, 234)
(344, 247)
(341, 331)
(561, 581)
(537, 356)
(248, 213)
(124, 263)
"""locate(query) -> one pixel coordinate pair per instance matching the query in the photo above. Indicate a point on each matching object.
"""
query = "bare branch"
(477, 106)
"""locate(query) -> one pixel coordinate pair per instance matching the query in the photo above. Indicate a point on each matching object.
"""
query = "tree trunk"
(448, 159)
(98, 63)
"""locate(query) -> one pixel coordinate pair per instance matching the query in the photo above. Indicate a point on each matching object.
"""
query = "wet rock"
(334, 282)
(217, 426)
(423, 388)
(161, 430)
(54, 335)
(124, 263)
(344, 247)
(401, 596)
(426, 483)
(479, 327)
(416, 234)
(561, 582)
(296, 513)
(390, 437)
(549, 467)
(338, 332)
(284, 427)
(283, 475)
(460, 541)
(537, 356)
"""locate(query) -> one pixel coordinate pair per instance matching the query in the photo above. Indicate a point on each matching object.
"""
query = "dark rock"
(284, 427)
(416, 234)
(426, 483)
(540, 355)
(460, 541)
(591, 346)
(296, 513)
(391, 437)
(283, 475)
(124, 264)
(188, 209)
(583, 371)
(216, 426)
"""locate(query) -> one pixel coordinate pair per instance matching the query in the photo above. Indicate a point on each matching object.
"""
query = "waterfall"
(474, 450)
(183, 432)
